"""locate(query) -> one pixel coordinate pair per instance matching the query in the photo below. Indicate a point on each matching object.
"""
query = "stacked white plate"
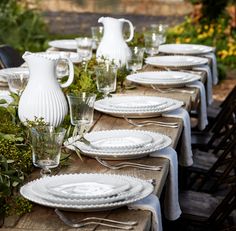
(120, 144)
(86, 192)
(136, 106)
(176, 61)
(4, 73)
(163, 78)
(185, 49)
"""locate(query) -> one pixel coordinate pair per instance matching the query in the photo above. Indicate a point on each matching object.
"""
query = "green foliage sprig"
(15, 159)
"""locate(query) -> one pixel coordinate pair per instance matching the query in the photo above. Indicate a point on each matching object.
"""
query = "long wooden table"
(43, 218)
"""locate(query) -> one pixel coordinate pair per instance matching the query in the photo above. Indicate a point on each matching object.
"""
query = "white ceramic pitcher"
(43, 97)
(113, 46)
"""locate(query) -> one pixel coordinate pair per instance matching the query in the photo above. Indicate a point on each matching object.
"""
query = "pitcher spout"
(101, 20)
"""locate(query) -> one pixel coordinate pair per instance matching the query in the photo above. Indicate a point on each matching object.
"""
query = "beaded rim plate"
(27, 192)
(159, 142)
(163, 78)
(185, 49)
(176, 61)
(165, 105)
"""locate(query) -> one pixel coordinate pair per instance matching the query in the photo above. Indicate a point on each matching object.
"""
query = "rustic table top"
(43, 218)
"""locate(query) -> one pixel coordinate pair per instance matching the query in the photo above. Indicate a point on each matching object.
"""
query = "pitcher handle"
(131, 27)
(71, 74)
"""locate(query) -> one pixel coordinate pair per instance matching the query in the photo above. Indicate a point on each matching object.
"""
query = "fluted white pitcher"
(43, 97)
(113, 45)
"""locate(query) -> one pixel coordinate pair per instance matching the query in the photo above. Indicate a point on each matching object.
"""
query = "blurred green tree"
(20, 27)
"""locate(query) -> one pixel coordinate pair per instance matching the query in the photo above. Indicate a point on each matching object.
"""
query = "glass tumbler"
(136, 61)
(81, 111)
(161, 29)
(84, 48)
(17, 82)
(97, 33)
(46, 142)
(152, 41)
(106, 77)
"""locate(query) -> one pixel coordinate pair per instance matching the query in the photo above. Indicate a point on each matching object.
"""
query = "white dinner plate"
(64, 44)
(27, 192)
(163, 78)
(176, 61)
(185, 49)
(159, 141)
(160, 105)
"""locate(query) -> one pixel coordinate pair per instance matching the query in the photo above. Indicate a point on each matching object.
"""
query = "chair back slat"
(9, 57)
(223, 210)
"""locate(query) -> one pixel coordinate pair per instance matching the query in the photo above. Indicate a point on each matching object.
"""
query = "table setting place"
(39, 87)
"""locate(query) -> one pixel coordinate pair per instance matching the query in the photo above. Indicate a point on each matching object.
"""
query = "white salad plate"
(64, 44)
(118, 139)
(163, 78)
(159, 141)
(134, 102)
(136, 192)
(140, 106)
(176, 61)
(73, 56)
(82, 186)
(185, 49)
(59, 194)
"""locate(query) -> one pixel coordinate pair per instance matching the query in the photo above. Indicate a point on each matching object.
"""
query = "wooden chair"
(213, 168)
(214, 110)
(205, 211)
(9, 57)
(215, 132)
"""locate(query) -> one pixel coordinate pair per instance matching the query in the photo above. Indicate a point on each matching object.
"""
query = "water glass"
(46, 142)
(161, 30)
(97, 33)
(62, 68)
(17, 82)
(81, 111)
(106, 75)
(136, 61)
(152, 41)
(84, 48)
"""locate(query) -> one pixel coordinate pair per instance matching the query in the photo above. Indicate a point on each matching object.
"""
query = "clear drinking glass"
(46, 142)
(160, 29)
(152, 41)
(62, 68)
(84, 49)
(17, 82)
(97, 33)
(81, 112)
(136, 61)
(106, 75)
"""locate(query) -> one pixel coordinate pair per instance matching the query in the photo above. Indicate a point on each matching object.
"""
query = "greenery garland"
(15, 152)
